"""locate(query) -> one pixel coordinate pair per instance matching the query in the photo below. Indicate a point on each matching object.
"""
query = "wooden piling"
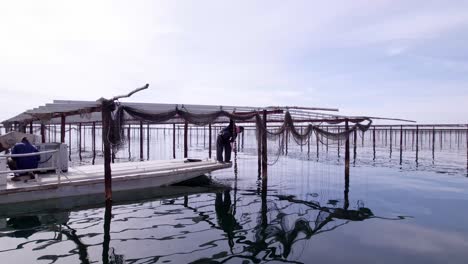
(79, 142)
(401, 145)
(43, 140)
(433, 144)
(174, 141)
(31, 129)
(264, 147)
(148, 141)
(185, 139)
(210, 138)
(94, 141)
(141, 141)
(106, 117)
(347, 149)
(417, 143)
(317, 145)
(69, 142)
(373, 142)
(129, 137)
(354, 147)
(62, 128)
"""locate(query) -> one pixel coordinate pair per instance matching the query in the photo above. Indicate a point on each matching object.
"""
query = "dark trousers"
(222, 144)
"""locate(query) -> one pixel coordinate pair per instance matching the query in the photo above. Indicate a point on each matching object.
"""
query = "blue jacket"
(23, 163)
(228, 134)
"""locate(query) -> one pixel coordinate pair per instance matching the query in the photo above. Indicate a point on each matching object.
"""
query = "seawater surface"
(305, 212)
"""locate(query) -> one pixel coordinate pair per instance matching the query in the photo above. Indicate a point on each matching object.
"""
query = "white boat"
(89, 179)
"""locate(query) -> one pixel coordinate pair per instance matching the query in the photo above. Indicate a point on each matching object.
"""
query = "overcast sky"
(406, 59)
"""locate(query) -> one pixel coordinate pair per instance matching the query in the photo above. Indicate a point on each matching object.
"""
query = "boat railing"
(56, 163)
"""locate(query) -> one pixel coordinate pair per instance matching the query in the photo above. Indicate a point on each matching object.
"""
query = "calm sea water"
(304, 213)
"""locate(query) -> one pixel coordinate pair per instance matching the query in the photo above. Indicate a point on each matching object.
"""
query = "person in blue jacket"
(23, 163)
(225, 137)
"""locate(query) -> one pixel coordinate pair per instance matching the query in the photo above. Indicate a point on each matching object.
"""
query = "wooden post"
(339, 142)
(259, 151)
(107, 237)
(62, 128)
(43, 133)
(373, 142)
(401, 145)
(347, 149)
(391, 142)
(141, 141)
(433, 143)
(69, 142)
(185, 139)
(204, 137)
(148, 141)
(128, 141)
(79, 142)
(94, 141)
(106, 117)
(173, 141)
(355, 147)
(308, 146)
(326, 143)
(210, 138)
(417, 144)
(264, 147)
(31, 129)
(301, 141)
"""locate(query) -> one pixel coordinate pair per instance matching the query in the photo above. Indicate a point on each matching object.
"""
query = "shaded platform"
(88, 180)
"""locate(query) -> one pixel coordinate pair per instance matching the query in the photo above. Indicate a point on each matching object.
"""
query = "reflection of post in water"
(107, 222)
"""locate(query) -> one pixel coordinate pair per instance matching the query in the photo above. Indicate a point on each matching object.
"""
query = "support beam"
(79, 142)
(148, 141)
(401, 145)
(417, 144)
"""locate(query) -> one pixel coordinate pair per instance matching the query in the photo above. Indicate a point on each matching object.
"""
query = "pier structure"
(114, 118)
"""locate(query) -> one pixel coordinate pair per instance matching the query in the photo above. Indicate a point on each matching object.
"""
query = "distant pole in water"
(174, 141)
(79, 142)
(401, 145)
(128, 141)
(391, 146)
(141, 141)
(69, 142)
(347, 149)
(185, 139)
(433, 144)
(354, 147)
(148, 141)
(373, 142)
(93, 139)
(466, 150)
(339, 143)
(264, 147)
(210, 138)
(31, 129)
(308, 146)
(417, 144)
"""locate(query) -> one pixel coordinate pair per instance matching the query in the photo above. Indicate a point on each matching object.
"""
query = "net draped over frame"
(301, 136)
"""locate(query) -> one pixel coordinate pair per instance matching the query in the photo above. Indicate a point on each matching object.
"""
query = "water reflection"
(235, 225)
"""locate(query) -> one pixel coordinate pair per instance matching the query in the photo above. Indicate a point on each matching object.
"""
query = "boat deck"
(89, 179)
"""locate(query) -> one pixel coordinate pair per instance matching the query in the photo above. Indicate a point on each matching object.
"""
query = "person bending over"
(23, 163)
(225, 137)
